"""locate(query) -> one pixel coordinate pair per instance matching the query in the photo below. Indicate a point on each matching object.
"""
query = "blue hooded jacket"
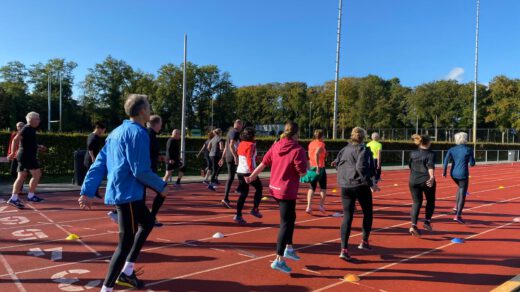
(125, 160)
(460, 156)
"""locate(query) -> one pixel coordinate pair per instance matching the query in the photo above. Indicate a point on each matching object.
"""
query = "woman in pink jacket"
(288, 162)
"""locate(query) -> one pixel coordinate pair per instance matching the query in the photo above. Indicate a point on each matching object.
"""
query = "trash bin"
(80, 171)
(511, 155)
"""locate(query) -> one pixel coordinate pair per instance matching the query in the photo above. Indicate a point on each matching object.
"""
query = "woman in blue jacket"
(460, 156)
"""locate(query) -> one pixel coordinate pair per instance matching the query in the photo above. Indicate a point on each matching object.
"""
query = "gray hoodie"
(354, 165)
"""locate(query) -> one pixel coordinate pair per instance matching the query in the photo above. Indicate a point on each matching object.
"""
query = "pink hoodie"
(288, 161)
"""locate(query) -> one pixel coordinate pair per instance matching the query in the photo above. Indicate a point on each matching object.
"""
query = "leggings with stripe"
(135, 224)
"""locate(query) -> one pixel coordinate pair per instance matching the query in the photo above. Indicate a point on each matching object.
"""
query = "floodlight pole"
(476, 81)
(49, 101)
(183, 116)
(335, 121)
(61, 103)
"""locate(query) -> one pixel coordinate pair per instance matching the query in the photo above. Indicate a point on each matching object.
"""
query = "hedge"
(59, 159)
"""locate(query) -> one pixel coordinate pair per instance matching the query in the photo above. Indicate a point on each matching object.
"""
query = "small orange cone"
(334, 190)
(501, 187)
(396, 185)
(351, 278)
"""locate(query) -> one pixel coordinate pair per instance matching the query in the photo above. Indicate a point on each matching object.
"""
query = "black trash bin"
(80, 171)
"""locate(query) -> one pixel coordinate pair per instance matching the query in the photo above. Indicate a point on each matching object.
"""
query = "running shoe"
(129, 281)
(459, 219)
(428, 225)
(415, 231)
(158, 224)
(344, 255)
(322, 209)
(364, 245)
(308, 211)
(239, 220)
(212, 187)
(281, 266)
(35, 199)
(226, 204)
(291, 254)
(16, 203)
(255, 212)
(113, 216)
(205, 182)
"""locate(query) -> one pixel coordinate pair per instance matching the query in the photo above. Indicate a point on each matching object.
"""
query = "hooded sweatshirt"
(288, 162)
(355, 166)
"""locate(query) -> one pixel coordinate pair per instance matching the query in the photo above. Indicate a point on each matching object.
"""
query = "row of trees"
(369, 101)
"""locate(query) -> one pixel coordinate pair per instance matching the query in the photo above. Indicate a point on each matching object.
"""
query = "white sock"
(128, 269)
(14, 197)
(30, 195)
(106, 289)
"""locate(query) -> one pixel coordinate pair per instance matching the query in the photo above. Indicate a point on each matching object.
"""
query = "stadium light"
(476, 81)
(335, 119)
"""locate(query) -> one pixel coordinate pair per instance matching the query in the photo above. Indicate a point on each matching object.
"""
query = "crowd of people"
(130, 156)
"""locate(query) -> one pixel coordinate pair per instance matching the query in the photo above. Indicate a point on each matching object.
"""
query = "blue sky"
(270, 41)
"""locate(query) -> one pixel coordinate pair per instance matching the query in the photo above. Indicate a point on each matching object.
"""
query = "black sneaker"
(35, 199)
(459, 220)
(239, 220)
(255, 212)
(226, 204)
(16, 203)
(364, 245)
(212, 187)
(158, 224)
(428, 225)
(344, 255)
(415, 231)
(129, 281)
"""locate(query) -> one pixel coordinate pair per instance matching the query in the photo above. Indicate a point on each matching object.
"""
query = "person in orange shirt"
(11, 150)
(317, 155)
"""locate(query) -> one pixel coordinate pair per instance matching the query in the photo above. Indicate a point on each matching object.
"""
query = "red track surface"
(182, 256)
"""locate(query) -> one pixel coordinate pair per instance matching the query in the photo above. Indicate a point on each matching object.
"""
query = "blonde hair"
(461, 138)
(290, 130)
(357, 135)
(421, 140)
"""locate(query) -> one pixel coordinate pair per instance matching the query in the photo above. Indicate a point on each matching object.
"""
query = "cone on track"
(351, 278)
(517, 219)
(501, 187)
(72, 236)
(218, 235)
(396, 185)
(334, 190)
(457, 240)
(265, 198)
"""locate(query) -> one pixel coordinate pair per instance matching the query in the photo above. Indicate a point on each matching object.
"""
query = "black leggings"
(14, 169)
(135, 224)
(215, 168)
(461, 194)
(232, 170)
(348, 197)
(287, 220)
(243, 188)
(377, 174)
(417, 191)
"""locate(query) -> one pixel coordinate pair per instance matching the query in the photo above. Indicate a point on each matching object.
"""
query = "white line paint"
(12, 274)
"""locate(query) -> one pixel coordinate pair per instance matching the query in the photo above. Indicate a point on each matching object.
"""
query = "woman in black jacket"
(422, 181)
(355, 171)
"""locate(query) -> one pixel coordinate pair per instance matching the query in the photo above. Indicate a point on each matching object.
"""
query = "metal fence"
(447, 134)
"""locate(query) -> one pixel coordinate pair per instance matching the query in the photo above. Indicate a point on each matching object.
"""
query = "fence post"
(498, 155)
(402, 158)
(485, 154)
(442, 156)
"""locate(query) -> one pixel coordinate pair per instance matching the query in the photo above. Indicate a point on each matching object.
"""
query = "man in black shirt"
(94, 144)
(27, 157)
(231, 157)
(173, 158)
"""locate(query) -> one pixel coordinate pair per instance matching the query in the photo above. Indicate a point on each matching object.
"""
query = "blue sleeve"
(95, 174)
(446, 161)
(138, 156)
(472, 161)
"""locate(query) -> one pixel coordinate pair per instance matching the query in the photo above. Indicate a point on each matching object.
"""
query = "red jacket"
(288, 162)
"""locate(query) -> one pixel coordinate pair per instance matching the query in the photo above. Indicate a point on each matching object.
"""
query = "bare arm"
(92, 156)
(255, 173)
(320, 150)
(379, 163)
(15, 142)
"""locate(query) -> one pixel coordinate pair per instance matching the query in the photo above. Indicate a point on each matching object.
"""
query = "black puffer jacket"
(355, 166)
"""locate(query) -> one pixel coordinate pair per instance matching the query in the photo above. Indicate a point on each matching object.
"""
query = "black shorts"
(28, 164)
(322, 181)
(175, 166)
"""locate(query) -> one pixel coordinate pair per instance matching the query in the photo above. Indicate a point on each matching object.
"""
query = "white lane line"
(12, 274)
(412, 257)
(59, 226)
(300, 248)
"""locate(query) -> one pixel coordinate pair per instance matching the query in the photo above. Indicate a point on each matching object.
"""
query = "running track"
(182, 255)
